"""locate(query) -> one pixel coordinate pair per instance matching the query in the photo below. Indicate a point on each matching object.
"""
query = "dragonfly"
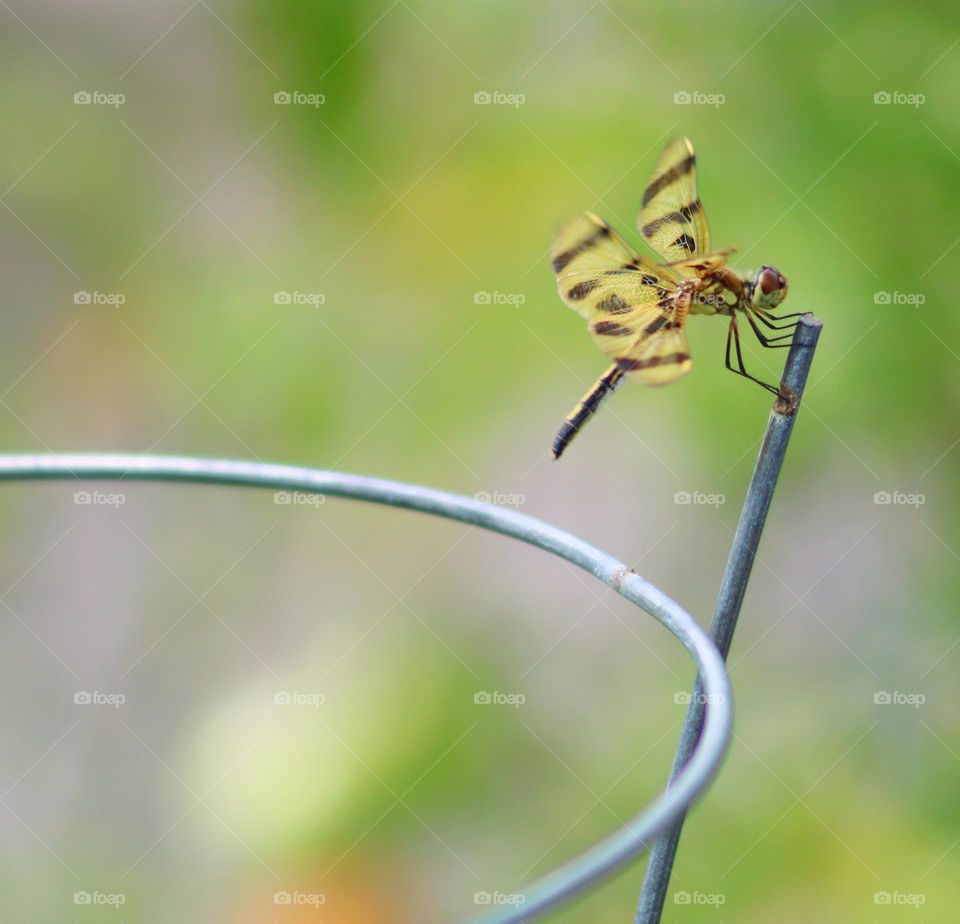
(636, 309)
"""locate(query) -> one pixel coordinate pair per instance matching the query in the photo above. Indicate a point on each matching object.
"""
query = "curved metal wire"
(617, 848)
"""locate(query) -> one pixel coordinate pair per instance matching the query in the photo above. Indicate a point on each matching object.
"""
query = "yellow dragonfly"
(637, 309)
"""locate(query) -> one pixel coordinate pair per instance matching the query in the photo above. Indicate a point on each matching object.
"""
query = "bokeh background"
(358, 278)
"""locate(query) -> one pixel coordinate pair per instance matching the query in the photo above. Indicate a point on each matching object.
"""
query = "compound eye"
(770, 280)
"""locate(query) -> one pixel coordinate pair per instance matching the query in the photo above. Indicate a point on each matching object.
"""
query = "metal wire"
(732, 590)
(704, 754)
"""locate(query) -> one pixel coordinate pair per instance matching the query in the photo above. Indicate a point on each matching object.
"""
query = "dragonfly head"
(769, 288)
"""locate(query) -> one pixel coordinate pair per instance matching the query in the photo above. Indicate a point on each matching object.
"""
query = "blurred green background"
(363, 283)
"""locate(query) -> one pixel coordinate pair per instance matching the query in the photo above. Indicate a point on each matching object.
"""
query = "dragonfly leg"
(767, 320)
(733, 338)
(770, 343)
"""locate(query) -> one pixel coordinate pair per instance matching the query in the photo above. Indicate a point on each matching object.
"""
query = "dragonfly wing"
(659, 358)
(628, 301)
(671, 219)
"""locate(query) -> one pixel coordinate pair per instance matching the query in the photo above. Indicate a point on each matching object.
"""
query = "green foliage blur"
(299, 236)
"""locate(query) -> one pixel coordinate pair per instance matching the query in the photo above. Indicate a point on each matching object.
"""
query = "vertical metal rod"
(732, 590)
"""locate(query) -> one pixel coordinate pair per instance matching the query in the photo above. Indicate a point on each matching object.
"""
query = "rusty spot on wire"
(786, 402)
(619, 576)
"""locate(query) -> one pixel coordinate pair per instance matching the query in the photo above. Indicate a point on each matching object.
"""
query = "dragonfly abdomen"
(586, 407)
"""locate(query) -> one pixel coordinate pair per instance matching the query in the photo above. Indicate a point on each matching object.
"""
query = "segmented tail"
(585, 409)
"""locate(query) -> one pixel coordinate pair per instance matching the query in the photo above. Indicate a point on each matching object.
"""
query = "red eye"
(770, 280)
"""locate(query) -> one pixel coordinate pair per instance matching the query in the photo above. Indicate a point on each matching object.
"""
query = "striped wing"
(671, 217)
(658, 358)
(627, 300)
